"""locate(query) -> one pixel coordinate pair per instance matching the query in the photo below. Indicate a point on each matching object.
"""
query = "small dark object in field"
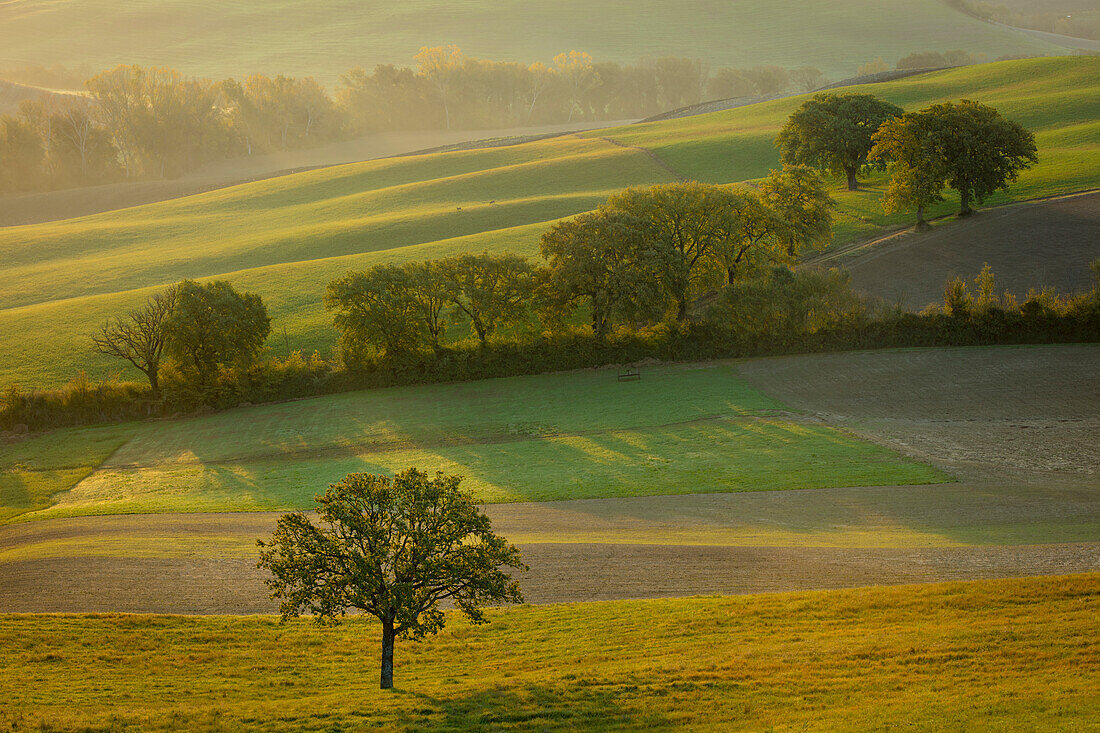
(629, 375)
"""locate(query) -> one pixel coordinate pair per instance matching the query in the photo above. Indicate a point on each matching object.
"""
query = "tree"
(393, 549)
(797, 194)
(768, 80)
(807, 78)
(490, 289)
(431, 292)
(980, 151)
(376, 307)
(213, 326)
(686, 222)
(833, 132)
(917, 175)
(872, 67)
(966, 146)
(576, 70)
(441, 66)
(139, 337)
(602, 258)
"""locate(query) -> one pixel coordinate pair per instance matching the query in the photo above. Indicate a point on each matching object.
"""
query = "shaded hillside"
(1035, 245)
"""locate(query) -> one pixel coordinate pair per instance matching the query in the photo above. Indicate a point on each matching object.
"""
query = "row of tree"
(646, 254)
(140, 122)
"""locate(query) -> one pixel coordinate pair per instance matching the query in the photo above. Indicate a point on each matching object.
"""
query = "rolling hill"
(286, 237)
(324, 39)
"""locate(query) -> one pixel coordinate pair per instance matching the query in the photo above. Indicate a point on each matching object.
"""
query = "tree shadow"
(574, 704)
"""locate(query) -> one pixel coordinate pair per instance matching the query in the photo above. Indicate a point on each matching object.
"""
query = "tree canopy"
(213, 326)
(392, 548)
(962, 145)
(833, 132)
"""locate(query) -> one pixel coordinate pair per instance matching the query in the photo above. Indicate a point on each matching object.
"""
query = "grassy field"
(677, 431)
(993, 655)
(325, 39)
(286, 237)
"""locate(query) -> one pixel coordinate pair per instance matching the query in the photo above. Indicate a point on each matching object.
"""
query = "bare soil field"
(36, 208)
(1018, 426)
(1037, 244)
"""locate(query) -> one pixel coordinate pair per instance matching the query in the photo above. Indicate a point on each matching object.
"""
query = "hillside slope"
(286, 237)
(326, 38)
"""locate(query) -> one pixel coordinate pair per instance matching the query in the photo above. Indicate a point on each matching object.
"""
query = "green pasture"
(1014, 654)
(285, 238)
(679, 430)
(325, 39)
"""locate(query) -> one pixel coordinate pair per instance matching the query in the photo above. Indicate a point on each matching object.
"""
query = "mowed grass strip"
(679, 430)
(992, 655)
(286, 238)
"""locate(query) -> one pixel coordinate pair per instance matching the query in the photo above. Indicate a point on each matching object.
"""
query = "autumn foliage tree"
(394, 549)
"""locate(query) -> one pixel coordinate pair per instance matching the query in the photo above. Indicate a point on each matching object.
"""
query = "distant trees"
(392, 548)
(936, 59)
(213, 326)
(966, 146)
(833, 132)
(139, 337)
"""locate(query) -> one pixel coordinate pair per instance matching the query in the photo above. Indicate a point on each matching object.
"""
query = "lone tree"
(833, 132)
(139, 337)
(393, 549)
(214, 326)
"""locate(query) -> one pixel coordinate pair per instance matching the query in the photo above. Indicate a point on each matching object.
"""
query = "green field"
(324, 39)
(560, 436)
(1016, 654)
(285, 238)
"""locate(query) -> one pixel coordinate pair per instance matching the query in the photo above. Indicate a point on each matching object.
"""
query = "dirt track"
(1019, 426)
(1038, 244)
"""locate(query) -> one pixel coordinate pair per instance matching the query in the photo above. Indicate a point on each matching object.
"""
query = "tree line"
(136, 122)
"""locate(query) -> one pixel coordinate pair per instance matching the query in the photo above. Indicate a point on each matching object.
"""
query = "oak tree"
(833, 132)
(213, 326)
(394, 549)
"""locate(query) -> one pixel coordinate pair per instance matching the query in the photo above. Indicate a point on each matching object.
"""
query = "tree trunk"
(730, 275)
(154, 381)
(853, 184)
(681, 308)
(964, 203)
(388, 637)
(921, 223)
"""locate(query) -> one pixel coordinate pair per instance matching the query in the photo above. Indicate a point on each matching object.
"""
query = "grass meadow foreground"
(1018, 654)
(681, 429)
(285, 238)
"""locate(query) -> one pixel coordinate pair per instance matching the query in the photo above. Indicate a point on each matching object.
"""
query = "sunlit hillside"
(326, 38)
(285, 238)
